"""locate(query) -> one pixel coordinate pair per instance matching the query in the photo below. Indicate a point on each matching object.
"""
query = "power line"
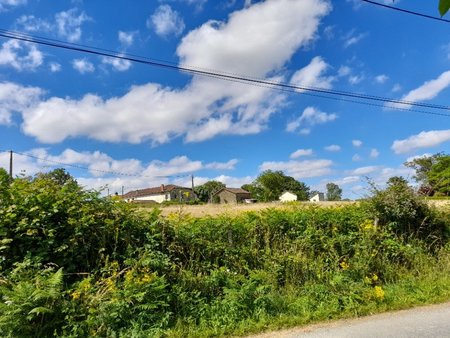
(406, 11)
(282, 86)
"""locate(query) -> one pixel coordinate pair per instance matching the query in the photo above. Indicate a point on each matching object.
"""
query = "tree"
(444, 6)
(433, 173)
(269, 185)
(334, 192)
(205, 191)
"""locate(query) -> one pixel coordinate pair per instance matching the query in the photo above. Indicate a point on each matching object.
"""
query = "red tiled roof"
(152, 191)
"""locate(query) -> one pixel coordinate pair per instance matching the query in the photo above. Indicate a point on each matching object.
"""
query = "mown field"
(74, 264)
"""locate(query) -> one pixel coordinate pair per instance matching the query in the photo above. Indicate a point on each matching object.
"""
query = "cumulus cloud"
(205, 107)
(55, 67)
(126, 38)
(357, 143)
(166, 21)
(427, 91)
(352, 38)
(425, 139)
(14, 98)
(30, 23)
(365, 170)
(333, 148)
(301, 152)
(382, 78)
(8, 4)
(83, 66)
(300, 169)
(374, 153)
(310, 117)
(118, 64)
(356, 158)
(69, 23)
(20, 55)
(312, 75)
(103, 170)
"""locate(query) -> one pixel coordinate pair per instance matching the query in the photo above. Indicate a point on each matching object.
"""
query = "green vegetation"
(269, 186)
(444, 6)
(433, 173)
(205, 191)
(334, 192)
(74, 264)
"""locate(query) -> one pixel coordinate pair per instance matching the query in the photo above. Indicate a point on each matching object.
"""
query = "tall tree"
(205, 191)
(334, 192)
(444, 6)
(269, 185)
(432, 172)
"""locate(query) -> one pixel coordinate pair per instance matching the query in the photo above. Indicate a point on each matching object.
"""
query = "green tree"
(433, 173)
(205, 191)
(444, 6)
(269, 185)
(334, 192)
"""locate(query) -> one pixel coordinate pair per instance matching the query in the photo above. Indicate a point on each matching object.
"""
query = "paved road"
(430, 321)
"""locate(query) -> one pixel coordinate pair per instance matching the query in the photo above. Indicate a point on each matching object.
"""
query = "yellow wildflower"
(344, 265)
(379, 292)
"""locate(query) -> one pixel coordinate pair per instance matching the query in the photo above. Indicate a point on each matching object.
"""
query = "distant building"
(319, 197)
(231, 195)
(160, 194)
(288, 196)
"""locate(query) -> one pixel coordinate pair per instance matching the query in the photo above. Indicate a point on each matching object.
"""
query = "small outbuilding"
(160, 194)
(319, 197)
(288, 196)
(231, 195)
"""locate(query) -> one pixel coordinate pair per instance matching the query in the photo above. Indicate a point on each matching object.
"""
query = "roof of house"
(233, 191)
(152, 191)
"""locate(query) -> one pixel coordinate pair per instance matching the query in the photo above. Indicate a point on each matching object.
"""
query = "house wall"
(227, 197)
(288, 197)
(317, 198)
(157, 198)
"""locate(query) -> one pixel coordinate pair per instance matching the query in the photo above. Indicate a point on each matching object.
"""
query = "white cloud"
(396, 88)
(83, 66)
(311, 116)
(69, 24)
(7, 4)
(30, 23)
(357, 143)
(300, 169)
(427, 91)
(333, 148)
(351, 38)
(382, 78)
(126, 38)
(356, 158)
(20, 55)
(230, 165)
(301, 152)
(412, 158)
(344, 71)
(15, 98)
(204, 107)
(55, 67)
(365, 170)
(347, 180)
(374, 153)
(120, 65)
(355, 79)
(425, 139)
(312, 75)
(166, 21)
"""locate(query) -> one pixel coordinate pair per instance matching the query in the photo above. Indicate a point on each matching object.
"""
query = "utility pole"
(192, 180)
(122, 190)
(11, 164)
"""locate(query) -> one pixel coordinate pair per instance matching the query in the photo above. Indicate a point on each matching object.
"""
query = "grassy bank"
(74, 264)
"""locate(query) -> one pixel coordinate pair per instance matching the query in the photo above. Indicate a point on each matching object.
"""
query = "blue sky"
(114, 116)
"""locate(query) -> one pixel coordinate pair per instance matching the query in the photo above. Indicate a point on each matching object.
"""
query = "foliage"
(444, 6)
(334, 192)
(205, 191)
(433, 172)
(269, 186)
(74, 264)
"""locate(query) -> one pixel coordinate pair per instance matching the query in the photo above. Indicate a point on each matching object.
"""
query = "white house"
(319, 197)
(160, 194)
(288, 196)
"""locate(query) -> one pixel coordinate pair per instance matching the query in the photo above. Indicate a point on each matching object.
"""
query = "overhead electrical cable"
(406, 11)
(304, 90)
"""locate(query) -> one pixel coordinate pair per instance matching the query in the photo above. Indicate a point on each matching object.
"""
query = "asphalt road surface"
(430, 321)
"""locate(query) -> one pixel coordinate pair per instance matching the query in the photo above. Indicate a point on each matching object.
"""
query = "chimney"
(162, 187)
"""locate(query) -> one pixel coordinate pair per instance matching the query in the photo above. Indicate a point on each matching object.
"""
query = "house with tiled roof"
(231, 195)
(163, 193)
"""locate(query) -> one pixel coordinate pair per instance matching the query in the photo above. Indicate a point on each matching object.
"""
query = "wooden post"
(11, 164)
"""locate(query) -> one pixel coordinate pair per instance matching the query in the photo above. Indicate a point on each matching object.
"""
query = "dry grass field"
(234, 209)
